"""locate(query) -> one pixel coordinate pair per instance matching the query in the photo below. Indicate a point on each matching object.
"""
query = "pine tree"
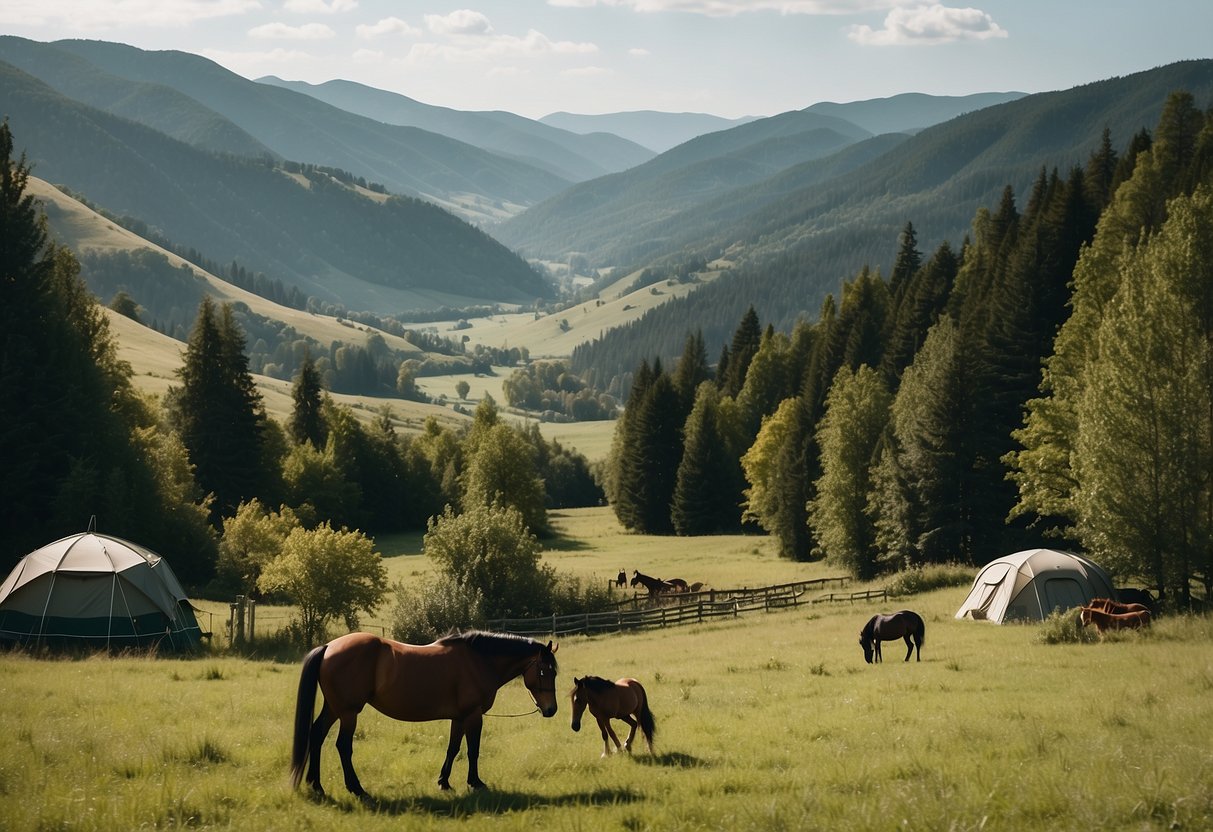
(692, 368)
(307, 416)
(652, 454)
(746, 340)
(707, 488)
(219, 414)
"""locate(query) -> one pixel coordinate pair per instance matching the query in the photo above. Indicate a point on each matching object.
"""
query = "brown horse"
(455, 678)
(1105, 621)
(905, 624)
(678, 584)
(1116, 607)
(624, 700)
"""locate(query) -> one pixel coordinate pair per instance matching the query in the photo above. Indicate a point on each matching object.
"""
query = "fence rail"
(683, 608)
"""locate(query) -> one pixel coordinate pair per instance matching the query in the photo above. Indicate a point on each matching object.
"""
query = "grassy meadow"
(768, 722)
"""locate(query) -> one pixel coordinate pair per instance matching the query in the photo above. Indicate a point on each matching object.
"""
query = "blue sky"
(728, 57)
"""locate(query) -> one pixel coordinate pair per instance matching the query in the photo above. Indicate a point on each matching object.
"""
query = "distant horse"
(905, 624)
(621, 579)
(678, 584)
(1116, 607)
(697, 586)
(1130, 595)
(1105, 621)
(455, 678)
(655, 586)
(624, 700)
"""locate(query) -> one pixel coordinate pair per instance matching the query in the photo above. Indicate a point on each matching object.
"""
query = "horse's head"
(866, 644)
(580, 696)
(635, 578)
(1084, 616)
(540, 679)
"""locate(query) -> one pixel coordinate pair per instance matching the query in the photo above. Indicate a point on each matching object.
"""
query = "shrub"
(926, 578)
(426, 611)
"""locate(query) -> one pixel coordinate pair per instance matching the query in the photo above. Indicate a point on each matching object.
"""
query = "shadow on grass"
(457, 804)
(560, 543)
(670, 759)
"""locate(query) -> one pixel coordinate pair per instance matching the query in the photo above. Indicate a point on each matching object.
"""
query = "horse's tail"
(648, 725)
(305, 704)
(921, 633)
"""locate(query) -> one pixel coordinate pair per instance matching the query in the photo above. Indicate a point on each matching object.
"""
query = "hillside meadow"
(767, 722)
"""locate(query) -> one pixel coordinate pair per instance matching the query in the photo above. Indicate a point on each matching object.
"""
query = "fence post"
(252, 619)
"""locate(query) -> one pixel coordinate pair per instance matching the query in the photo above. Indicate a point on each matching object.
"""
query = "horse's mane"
(597, 684)
(496, 644)
(869, 629)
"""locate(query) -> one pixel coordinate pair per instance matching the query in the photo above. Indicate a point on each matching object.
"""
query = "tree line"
(912, 422)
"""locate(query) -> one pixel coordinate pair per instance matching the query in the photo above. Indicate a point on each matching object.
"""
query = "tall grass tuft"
(1062, 627)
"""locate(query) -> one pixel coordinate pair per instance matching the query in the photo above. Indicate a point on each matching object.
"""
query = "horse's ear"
(551, 648)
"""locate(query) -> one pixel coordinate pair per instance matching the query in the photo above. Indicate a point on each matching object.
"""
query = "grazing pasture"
(771, 721)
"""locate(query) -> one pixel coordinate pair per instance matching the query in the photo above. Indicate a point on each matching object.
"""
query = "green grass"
(767, 722)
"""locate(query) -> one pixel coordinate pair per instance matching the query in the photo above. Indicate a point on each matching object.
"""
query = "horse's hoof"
(477, 786)
(444, 785)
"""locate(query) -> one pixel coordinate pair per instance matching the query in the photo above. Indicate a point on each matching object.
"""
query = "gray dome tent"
(1031, 584)
(94, 590)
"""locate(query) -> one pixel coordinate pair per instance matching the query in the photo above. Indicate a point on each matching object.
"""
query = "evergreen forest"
(1047, 380)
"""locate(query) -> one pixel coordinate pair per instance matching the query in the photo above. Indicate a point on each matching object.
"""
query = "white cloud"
(281, 31)
(369, 56)
(387, 26)
(638, 52)
(496, 47)
(459, 22)
(731, 8)
(320, 6)
(928, 25)
(109, 14)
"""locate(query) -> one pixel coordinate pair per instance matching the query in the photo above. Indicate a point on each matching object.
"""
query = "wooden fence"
(640, 613)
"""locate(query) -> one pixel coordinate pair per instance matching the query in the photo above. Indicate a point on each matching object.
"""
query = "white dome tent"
(1029, 585)
(93, 590)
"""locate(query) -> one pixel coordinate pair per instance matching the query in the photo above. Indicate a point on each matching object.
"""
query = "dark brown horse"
(905, 624)
(455, 678)
(624, 700)
(678, 584)
(655, 586)
(1105, 621)
(1117, 607)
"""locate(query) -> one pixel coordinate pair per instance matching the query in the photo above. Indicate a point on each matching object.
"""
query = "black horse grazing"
(655, 586)
(905, 624)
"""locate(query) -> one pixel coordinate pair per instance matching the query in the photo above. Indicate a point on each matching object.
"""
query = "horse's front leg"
(876, 657)
(604, 727)
(452, 748)
(472, 728)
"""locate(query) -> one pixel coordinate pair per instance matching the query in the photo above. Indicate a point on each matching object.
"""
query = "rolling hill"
(572, 156)
(911, 111)
(407, 160)
(312, 232)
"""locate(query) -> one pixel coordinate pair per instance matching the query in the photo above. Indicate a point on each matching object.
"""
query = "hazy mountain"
(649, 128)
(313, 232)
(612, 219)
(570, 155)
(795, 249)
(163, 108)
(295, 126)
(911, 111)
